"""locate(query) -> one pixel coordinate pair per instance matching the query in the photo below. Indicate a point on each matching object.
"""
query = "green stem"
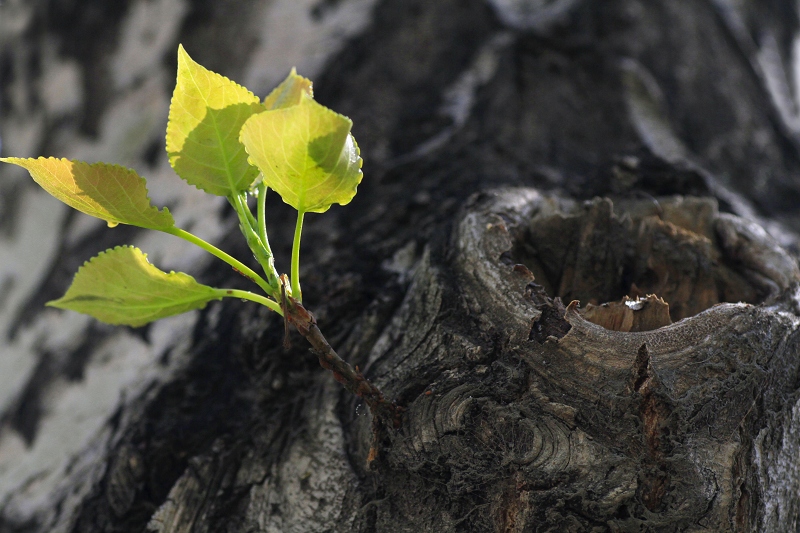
(260, 248)
(213, 250)
(247, 295)
(298, 229)
(240, 205)
(246, 219)
(262, 211)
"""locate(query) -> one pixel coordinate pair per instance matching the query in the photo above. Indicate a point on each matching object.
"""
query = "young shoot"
(224, 140)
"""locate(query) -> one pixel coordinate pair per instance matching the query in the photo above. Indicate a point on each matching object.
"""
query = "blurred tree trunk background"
(515, 151)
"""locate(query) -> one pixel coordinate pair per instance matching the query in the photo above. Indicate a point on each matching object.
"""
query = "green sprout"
(224, 140)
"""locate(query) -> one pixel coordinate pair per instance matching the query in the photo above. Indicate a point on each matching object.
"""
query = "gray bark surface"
(519, 155)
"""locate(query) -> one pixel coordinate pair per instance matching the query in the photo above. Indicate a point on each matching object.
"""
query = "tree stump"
(520, 156)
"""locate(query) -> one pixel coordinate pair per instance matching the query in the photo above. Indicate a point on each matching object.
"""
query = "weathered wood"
(587, 427)
(515, 151)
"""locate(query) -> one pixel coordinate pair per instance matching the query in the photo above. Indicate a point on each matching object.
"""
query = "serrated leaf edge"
(257, 100)
(54, 303)
(137, 249)
(292, 73)
(350, 134)
(99, 164)
(106, 251)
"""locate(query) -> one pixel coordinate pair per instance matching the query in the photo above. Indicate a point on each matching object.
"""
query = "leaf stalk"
(216, 252)
(247, 295)
(258, 246)
(298, 230)
(262, 214)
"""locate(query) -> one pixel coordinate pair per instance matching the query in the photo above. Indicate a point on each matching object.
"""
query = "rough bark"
(519, 155)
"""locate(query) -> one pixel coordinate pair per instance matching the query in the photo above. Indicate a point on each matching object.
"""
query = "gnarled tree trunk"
(640, 157)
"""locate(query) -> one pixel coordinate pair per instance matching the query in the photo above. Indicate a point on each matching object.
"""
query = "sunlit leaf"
(305, 153)
(120, 286)
(205, 116)
(290, 92)
(113, 193)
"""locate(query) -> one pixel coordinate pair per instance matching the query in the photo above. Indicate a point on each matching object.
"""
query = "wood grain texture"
(504, 141)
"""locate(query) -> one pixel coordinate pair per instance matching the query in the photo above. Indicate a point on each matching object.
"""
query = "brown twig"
(383, 411)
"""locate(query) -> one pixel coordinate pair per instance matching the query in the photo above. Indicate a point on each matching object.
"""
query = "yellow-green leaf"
(120, 286)
(110, 192)
(305, 153)
(289, 92)
(205, 116)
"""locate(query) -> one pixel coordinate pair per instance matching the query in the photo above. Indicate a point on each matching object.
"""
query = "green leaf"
(289, 92)
(113, 193)
(306, 154)
(205, 116)
(120, 286)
